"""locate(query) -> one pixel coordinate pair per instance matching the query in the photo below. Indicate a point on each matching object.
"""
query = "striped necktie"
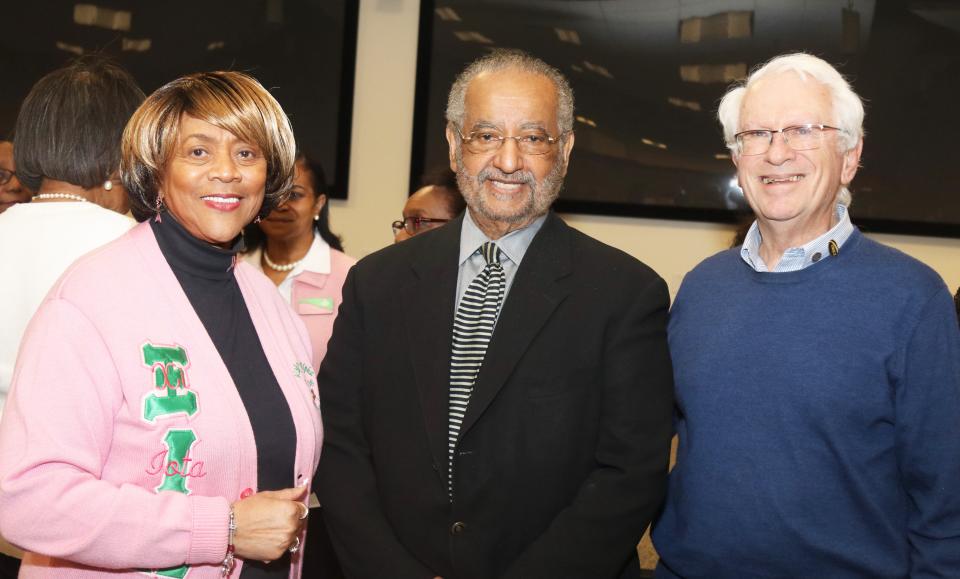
(472, 328)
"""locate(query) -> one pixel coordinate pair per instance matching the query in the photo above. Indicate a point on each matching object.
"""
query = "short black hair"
(71, 122)
(319, 181)
(444, 180)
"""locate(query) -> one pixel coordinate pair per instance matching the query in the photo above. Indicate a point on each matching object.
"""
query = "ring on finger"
(295, 546)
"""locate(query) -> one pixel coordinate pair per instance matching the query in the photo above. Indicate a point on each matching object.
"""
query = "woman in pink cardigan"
(164, 416)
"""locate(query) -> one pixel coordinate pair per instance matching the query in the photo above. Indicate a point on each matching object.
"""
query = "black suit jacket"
(563, 453)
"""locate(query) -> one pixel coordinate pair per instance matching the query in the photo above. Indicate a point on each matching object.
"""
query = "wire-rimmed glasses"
(797, 137)
(413, 225)
(532, 142)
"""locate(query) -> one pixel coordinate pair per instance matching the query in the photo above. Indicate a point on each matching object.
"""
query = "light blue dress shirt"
(797, 258)
(512, 246)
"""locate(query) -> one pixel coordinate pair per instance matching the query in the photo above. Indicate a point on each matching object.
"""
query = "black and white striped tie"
(472, 328)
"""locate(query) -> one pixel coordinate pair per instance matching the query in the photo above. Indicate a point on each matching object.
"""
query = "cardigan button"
(458, 528)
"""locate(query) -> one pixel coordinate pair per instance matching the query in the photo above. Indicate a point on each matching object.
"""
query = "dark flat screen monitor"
(303, 51)
(648, 77)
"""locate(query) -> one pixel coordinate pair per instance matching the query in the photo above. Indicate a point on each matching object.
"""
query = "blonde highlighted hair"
(232, 101)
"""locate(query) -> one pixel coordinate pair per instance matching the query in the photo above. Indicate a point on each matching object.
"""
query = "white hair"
(846, 105)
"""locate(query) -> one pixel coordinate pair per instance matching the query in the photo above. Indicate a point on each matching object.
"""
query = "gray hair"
(846, 104)
(503, 59)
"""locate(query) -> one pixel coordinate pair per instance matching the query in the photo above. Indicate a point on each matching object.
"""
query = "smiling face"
(214, 182)
(294, 218)
(793, 191)
(506, 190)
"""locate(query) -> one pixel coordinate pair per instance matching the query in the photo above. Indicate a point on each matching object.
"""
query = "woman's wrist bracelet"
(229, 560)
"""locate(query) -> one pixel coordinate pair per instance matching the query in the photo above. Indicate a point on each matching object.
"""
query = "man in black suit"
(538, 452)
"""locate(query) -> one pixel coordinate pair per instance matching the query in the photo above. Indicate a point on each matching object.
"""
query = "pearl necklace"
(61, 196)
(284, 267)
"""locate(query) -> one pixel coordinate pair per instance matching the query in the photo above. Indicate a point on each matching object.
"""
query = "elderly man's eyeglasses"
(5, 176)
(413, 225)
(798, 138)
(483, 141)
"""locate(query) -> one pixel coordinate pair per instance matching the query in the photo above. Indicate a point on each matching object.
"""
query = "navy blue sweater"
(818, 414)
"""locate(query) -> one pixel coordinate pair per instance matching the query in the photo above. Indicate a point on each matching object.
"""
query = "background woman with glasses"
(11, 190)
(295, 248)
(436, 202)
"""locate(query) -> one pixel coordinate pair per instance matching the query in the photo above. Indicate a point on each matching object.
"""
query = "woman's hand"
(268, 523)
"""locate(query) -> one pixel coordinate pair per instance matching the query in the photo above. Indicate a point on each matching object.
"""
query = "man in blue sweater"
(817, 371)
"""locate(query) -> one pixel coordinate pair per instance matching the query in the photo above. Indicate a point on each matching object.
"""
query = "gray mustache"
(524, 177)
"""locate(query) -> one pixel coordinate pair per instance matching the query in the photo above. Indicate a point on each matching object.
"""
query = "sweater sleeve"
(928, 444)
(54, 441)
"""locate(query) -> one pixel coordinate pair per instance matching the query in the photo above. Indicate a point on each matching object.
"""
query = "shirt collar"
(317, 259)
(797, 258)
(513, 245)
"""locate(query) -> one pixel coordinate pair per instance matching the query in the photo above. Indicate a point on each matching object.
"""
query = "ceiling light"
(566, 35)
(653, 143)
(692, 105)
(726, 25)
(78, 50)
(91, 15)
(472, 37)
(596, 68)
(713, 73)
(136, 45)
(586, 121)
(447, 14)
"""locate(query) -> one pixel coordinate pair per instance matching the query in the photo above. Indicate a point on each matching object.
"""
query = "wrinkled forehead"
(511, 98)
(785, 98)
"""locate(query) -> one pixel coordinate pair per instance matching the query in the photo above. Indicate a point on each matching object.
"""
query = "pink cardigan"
(316, 298)
(124, 439)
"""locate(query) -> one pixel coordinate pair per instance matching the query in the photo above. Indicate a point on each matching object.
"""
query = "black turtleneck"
(205, 273)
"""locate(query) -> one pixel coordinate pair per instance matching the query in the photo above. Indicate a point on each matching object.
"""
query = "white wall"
(380, 162)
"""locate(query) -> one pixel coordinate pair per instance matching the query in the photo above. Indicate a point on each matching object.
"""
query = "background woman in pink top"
(295, 248)
(164, 415)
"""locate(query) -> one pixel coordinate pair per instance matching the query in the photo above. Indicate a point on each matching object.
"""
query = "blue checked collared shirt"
(797, 258)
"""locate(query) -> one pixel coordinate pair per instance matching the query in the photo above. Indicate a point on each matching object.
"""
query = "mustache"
(523, 177)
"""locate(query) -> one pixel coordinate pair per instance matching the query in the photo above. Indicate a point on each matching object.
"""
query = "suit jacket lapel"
(429, 305)
(534, 295)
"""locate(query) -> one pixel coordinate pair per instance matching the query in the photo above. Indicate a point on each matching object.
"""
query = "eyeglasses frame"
(781, 131)
(417, 223)
(550, 140)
